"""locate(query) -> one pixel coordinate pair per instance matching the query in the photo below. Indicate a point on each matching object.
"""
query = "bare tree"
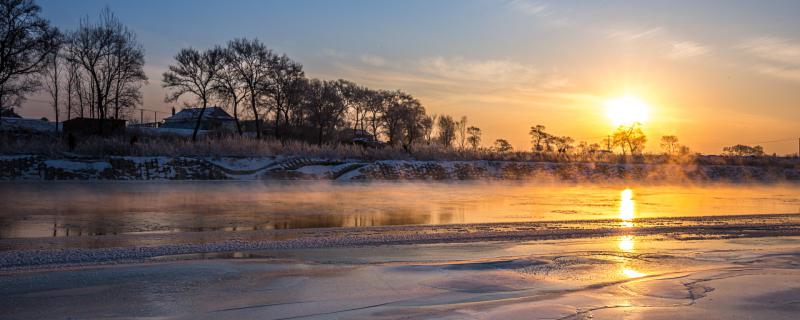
(26, 42)
(402, 119)
(474, 137)
(428, 123)
(325, 107)
(52, 81)
(631, 137)
(502, 146)
(285, 89)
(447, 130)
(357, 101)
(251, 61)
(538, 136)
(461, 132)
(110, 56)
(228, 88)
(376, 107)
(194, 72)
(670, 144)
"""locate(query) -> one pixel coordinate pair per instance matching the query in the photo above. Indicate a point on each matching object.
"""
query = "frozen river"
(70, 209)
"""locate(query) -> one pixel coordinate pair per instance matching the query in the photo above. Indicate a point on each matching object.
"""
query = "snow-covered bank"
(31, 167)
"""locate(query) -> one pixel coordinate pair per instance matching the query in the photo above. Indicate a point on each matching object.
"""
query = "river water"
(67, 209)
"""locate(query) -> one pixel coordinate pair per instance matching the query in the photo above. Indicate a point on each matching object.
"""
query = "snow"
(78, 165)
(173, 131)
(350, 175)
(22, 124)
(243, 164)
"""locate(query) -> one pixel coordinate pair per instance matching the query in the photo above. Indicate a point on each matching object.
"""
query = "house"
(360, 138)
(350, 135)
(213, 119)
(9, 113)
(90, 126)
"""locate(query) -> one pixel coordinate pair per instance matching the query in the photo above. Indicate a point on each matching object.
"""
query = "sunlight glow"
(627, 110)
(627, 206)
(630, 273)
(626, 244)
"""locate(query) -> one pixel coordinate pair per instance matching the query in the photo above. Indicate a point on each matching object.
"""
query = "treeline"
(95, 71)
(256, 83)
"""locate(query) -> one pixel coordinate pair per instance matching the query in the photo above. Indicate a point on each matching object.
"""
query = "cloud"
(527, 7)
(541, 11)
(373, 60)
(777, 50)
(687, 49)
(788, 73)
(634, 34)
(490, 71)
(778, 57)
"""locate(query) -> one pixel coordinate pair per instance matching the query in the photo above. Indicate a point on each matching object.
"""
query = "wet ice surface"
(636, 277)
(214, 250)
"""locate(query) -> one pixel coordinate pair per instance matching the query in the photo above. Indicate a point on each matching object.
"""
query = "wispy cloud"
(687, 49)
(527, 7)
(373, 60)
(633, 34)
(538, 9)
(778, 57)
(778, 50)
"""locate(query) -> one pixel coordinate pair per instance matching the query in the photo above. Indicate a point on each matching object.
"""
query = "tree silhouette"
(194, 72)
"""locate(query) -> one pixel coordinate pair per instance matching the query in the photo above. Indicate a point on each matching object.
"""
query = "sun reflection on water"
(627, 207)
(626, 244)
(630, 273)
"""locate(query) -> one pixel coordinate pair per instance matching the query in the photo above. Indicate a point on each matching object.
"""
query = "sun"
(627, 110)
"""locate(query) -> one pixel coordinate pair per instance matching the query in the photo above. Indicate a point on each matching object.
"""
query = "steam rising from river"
(87, 208)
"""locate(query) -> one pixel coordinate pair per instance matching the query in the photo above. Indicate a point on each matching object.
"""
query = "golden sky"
(715, 73)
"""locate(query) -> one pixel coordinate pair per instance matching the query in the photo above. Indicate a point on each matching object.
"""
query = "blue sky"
(715, 72)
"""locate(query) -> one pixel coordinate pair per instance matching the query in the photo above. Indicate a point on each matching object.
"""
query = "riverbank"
(34, 167)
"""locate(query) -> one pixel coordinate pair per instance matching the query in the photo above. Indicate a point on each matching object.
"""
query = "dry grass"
(237, 146)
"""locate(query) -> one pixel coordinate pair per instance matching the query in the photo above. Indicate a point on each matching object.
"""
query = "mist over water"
(46, 209)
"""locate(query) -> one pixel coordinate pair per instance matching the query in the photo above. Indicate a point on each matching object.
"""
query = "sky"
(714, 73)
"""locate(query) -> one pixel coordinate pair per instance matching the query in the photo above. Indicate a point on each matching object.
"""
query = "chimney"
(173, 111)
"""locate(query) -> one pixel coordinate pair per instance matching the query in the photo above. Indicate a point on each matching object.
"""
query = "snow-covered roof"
(190, 114)
(8, 113)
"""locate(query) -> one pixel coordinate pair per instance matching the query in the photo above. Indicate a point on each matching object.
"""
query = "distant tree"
(26, 42)
(403, 120)
(594, 147)
(251, 61)
(474, 138)
(502, 146)
(630, 138)
(112, 60)
(684, 150)
(195, 72)
(670, 144)
(325, 105)
(376, 107)
(357, 100)
(428, 124)
(563, 144)
(228, 88)
(538, 137)
(447, 130)
(52, 80)
(286, 82)
(743, 151)
(461, 132)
